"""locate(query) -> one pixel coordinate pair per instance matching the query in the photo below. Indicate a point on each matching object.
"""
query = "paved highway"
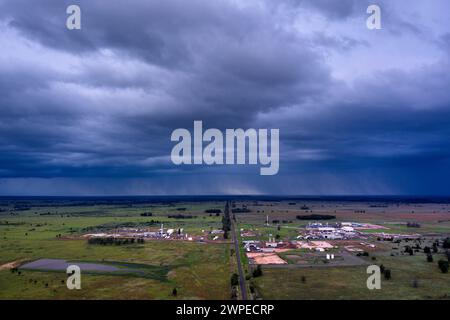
(238, 256)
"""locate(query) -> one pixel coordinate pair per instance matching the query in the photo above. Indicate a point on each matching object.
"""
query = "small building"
(271, 244)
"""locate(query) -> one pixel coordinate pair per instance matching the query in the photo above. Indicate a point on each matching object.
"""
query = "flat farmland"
(199, 260)
(309, 275)
(349, 283)
(34, 230)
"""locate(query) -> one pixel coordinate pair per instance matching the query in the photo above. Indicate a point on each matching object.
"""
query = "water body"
(61, 265)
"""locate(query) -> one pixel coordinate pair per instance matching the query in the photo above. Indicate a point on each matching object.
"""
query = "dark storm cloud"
(92, 110)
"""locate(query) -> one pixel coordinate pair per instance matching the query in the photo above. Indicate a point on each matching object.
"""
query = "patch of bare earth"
(11, 265)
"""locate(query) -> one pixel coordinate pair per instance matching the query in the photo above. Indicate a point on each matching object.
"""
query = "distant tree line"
(281, 221)
(316, 217)
(118, 225)
(241, 210)
(216, 211)
(413, 225)
(114, 241)
(226, 221)
(146, 214)
(180, 216)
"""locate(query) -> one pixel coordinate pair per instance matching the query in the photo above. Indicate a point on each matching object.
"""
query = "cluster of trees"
(446, 243)
(180, 216)
(119, 225)
(146, 214)
(257, 272)
(413, 225)
(435, 247)
(114, 241)
(282, 221)
(241, 210)
(316, 217)
(409, 250)
(234, 279)
(234, 283)
(216, 211)
(226, 221)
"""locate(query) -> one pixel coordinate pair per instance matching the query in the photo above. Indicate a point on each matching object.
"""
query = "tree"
(387, 274)
(257, 272)
(234, 294)
(443, 265)
(409, 250)
(234, 279)
(446, 244)
(174, 292)
(435, 248)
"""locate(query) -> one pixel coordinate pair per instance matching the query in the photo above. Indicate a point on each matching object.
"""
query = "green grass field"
(31, 230)
(197, 270)
(350, 282)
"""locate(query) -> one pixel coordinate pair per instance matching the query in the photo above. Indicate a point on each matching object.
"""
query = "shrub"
(257, 272)
(409, 250)
(435, 247)
(234, 279)
(216, 211)
(446, 244)
(443, 265)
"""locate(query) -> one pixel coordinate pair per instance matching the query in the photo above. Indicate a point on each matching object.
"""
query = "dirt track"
(10, 265)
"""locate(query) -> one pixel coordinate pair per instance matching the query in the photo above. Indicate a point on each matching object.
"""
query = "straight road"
(238, 255)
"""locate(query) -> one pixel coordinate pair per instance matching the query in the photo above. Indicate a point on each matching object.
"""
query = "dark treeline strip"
(180, 216)
(114, 241)
(213, 211)
(118, 225)
(316, 217)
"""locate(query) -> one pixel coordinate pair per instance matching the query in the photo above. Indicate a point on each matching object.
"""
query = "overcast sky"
(90, 112)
